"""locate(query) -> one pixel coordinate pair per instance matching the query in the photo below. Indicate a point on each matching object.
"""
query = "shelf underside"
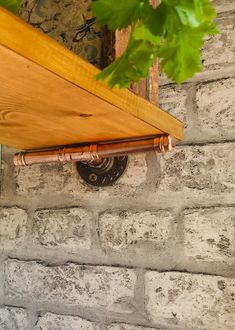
(49, 96)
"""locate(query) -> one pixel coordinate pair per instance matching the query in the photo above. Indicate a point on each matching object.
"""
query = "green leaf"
(180, 56)
(185, 27)
(156, 19)
(132, 66)
(135, 62)
(174, 32)
(12, 5)
(141, 32)
(118, 14)
(195, 13)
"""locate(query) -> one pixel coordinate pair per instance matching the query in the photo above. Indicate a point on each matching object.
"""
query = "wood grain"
(39, 109)
(49, 96)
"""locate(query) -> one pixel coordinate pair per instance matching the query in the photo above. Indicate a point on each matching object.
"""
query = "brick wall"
(157, 250)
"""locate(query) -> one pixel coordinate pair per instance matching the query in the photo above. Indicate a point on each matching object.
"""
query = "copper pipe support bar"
(94, 152)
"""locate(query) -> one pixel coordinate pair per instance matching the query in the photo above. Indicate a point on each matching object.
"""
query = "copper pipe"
(94, 152)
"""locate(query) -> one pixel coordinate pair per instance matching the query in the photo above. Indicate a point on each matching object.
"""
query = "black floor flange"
(104, 173)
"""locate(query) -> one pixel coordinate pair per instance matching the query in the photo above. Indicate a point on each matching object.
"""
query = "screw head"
(93, 177)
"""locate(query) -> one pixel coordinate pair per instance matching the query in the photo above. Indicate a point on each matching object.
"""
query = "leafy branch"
(173, 32)
(12, 5)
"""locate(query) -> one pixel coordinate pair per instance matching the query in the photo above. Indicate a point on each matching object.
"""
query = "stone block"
(13, 221)
(122, 326)
(199, 173)
(12, 318)
(190, 300)
(223, 5)
(218, 51)
(54, 180)
(51, 321)
(209, 234)
(110, 288)
(136, 230)
(215, 109)
(67, 229)
(172, 98)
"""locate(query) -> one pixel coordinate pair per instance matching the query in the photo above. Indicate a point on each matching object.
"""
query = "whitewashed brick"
(128, 229)
(51, 321)
(223, 5)
(54, 179)
(209, 234)
(63, 228)
(173, 100)
(13, 223)
(122, 326)
(63, 180)
(189, 300)
(200, 172)
(12, 318)
(215, 109)
(218, 51)
(89, 286)
(136, 172)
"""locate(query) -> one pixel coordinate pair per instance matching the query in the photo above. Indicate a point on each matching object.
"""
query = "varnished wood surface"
(39, 109)
(49, 96)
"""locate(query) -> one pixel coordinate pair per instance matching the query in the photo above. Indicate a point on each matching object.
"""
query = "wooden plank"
(39, 109)
(22, 38)
(30, 43)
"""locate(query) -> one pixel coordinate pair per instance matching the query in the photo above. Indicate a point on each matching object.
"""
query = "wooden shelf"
(49, 96)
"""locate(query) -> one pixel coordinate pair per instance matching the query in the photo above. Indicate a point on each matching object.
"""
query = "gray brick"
(173, 100)
(110, 288)
(218, 51)
(213, 117)
(209, 234)
(119, 231)
(215, 109)
(13, 318)
(122, 326)
(26, 6)
(199, 173)
(189, 300)
(223, 5)
(45, 179)
(62, 180)
(13, 223)
(51, 321)
(136, 173)
(67, 229)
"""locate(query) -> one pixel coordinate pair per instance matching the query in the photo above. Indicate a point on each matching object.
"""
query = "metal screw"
(93, 177)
